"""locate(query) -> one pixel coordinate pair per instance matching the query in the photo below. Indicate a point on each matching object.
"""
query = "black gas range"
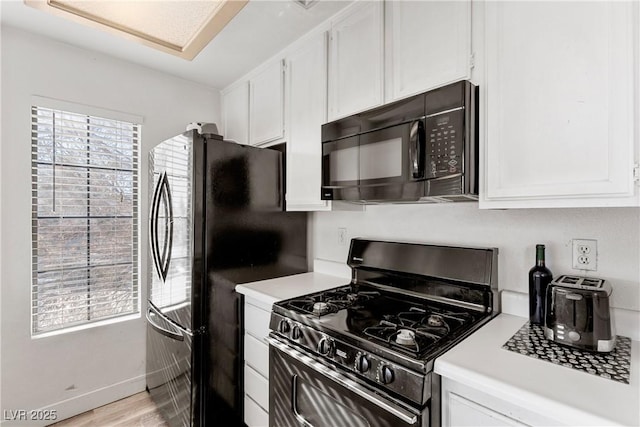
(363, 353)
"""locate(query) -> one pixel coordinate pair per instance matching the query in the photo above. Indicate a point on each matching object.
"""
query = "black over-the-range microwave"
(423, 148)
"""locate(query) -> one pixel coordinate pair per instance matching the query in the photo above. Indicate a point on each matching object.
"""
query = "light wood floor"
(134, 411)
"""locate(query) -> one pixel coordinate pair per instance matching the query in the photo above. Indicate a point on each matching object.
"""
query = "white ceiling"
(259, 31)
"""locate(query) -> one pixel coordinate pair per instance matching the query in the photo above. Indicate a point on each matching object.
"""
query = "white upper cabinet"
(266, 104)
(429, 45)
(356, 60)
(235, 113)
(307, 79)
(559, 98)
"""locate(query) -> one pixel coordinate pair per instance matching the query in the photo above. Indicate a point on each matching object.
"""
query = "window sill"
(85, 326)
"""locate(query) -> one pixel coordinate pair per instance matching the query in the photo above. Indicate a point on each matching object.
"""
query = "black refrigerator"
(216, 220)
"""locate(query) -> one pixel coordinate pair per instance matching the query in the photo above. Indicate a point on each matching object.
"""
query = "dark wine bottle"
(539, 278)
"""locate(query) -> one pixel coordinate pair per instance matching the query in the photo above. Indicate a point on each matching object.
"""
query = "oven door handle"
(406, 416)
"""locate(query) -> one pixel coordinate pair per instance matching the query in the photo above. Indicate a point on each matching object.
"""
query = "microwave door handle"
(416, 149)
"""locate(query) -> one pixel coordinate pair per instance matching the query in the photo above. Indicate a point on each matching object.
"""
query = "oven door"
(306, 392)
(387, 163)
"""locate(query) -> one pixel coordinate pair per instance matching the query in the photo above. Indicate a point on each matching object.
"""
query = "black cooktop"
(411, 325)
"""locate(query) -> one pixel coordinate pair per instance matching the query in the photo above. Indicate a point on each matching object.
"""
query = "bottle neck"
(540, 256)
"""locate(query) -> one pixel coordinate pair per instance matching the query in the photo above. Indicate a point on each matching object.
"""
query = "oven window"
(381, 159)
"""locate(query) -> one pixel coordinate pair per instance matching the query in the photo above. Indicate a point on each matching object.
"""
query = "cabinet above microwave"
(423, 148)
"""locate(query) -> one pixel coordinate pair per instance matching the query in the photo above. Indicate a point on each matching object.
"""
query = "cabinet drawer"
(256, 386)
(254, 415)
(256, 321)
(256, 355)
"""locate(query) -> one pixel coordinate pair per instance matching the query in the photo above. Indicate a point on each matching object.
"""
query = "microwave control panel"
(444, 141)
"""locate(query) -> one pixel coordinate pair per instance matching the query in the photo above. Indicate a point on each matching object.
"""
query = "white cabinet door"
(559, 103)
(464, 406)
(256, 363)
(254, 415)
(307, 74)
(464, 412)
(356, 60)
(429, 45)
(235, 113)
(266, 105)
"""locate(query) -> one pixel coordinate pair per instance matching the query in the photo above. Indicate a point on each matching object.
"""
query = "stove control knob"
(385, 374)
(284, 327)
(326, 346)
(296, 333)
(362, 363)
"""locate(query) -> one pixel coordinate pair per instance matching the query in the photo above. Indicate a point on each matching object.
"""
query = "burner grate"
(403, 337)
(332, 301)
(417, 329)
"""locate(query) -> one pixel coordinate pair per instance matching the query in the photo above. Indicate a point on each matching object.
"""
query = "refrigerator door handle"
(162, 259)
(178, 334)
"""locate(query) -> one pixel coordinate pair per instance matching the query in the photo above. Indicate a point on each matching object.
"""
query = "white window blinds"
(84, 219)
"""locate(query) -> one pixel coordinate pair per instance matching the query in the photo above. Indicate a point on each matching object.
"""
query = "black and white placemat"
(530, 341)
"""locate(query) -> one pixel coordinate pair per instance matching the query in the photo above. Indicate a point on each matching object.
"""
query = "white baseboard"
(85, 402)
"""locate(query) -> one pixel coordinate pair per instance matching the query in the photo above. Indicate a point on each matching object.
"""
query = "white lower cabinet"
(465, 412)
(256, 386)
(466, 406)
(256, 363)
(257, 353)
(254, 415)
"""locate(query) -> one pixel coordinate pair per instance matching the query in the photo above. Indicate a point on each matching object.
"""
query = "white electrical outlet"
(342, 236)
(585, 254)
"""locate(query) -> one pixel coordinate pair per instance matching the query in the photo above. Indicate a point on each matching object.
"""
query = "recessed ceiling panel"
(180, 27)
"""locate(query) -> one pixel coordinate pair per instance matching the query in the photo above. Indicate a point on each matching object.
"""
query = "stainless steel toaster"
(577, 313)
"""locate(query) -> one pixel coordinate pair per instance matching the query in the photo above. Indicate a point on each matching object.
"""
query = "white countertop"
(280, 288)
(567, 395)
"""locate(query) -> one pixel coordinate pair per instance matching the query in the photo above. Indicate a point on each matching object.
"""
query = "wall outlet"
(585, 254)
(342, 236)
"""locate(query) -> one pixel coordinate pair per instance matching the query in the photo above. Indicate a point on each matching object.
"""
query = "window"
(84, 219)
